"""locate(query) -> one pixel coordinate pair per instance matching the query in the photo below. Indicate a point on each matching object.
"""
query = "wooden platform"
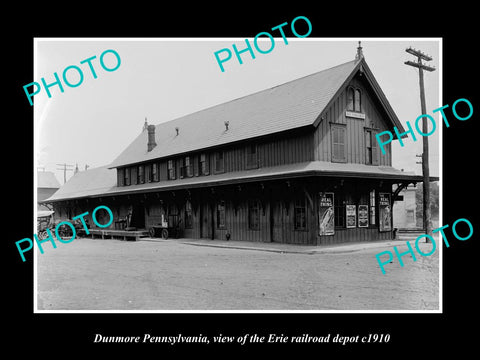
(118, 234)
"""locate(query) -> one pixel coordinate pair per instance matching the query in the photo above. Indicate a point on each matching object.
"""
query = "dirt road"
(168, 275)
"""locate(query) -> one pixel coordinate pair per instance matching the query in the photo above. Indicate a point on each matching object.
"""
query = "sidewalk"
(285, 248)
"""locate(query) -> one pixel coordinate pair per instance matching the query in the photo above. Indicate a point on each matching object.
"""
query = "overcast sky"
(163, 79)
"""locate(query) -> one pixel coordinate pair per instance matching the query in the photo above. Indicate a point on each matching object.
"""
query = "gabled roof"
(47, 179)
(295, 104)
(102, 181)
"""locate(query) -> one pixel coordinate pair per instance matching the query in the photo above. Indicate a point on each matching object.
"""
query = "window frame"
(251, 158)
(126, 176)
(371, 134)
(154, 174)
(140, 174)
(171, 169)
(203, 165)
(187, 168)
(333, 128)
(216, 169)
(300, 205)
(357, 100)
(350, 99)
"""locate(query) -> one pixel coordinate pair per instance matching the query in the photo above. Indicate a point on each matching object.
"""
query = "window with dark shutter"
(203, 165)
(126, 176)
(171, 170)
(251, 156)
(155, 172)
(140, 174)
(371, 147)
(339, 151)
(120, 177)
(219, 162)
(133, 175)
(186, 170)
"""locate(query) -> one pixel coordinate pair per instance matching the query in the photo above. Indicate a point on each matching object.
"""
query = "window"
(372, 207)
(350, 99)
(219, 162)
(339, 202)
(203, 165)
(251, 156)
(358, 101)
(254, 215)
(300, 214)
(188, 215)
(371, 148)
(120, 176)
(221, 214)
(171, 170)
(187, 168)
(354, 99)
(141, 174)
(126, 176)
(154, 172)
(339, 153)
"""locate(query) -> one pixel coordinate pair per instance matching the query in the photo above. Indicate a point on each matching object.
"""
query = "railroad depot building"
(297, 163)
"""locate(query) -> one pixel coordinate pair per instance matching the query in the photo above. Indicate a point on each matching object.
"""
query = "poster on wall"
(362, 215)
(385, 212)
(351, 216)
(326, 216)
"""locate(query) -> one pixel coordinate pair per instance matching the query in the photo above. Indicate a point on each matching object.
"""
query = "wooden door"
(205, 221)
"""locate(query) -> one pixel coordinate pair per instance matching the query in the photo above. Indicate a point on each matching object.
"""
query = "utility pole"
(65, 165)
(425, 166)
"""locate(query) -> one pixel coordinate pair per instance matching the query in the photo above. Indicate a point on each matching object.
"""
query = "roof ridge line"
(254, 93)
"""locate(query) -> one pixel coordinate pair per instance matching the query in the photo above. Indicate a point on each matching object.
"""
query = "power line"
(65, 165)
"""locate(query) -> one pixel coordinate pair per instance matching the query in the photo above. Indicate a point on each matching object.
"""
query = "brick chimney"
(151, 138)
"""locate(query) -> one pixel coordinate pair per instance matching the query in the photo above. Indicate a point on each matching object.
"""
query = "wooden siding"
(276, 214)
(355, 139)
(270, 152)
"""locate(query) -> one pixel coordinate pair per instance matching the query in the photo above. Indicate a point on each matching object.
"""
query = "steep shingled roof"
(287, 106)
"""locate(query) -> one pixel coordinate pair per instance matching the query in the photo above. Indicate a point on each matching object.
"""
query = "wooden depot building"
(298, 163)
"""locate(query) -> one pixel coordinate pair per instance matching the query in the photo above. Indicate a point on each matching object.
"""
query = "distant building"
(47, 185)
(404, 209)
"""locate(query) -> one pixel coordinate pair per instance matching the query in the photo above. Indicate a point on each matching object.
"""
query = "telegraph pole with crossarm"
(425, 166)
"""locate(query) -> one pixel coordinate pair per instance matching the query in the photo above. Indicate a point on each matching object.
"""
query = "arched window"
(350, 99)
(358, 101)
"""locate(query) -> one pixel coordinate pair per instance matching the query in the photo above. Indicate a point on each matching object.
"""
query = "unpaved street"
(169, 275)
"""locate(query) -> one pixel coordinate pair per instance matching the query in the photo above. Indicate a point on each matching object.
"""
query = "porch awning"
(311, 168)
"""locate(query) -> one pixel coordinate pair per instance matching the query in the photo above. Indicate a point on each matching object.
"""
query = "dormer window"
(187, 168)
(171, 170)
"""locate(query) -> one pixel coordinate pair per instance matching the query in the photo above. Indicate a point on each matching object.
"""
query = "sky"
(163, 79)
